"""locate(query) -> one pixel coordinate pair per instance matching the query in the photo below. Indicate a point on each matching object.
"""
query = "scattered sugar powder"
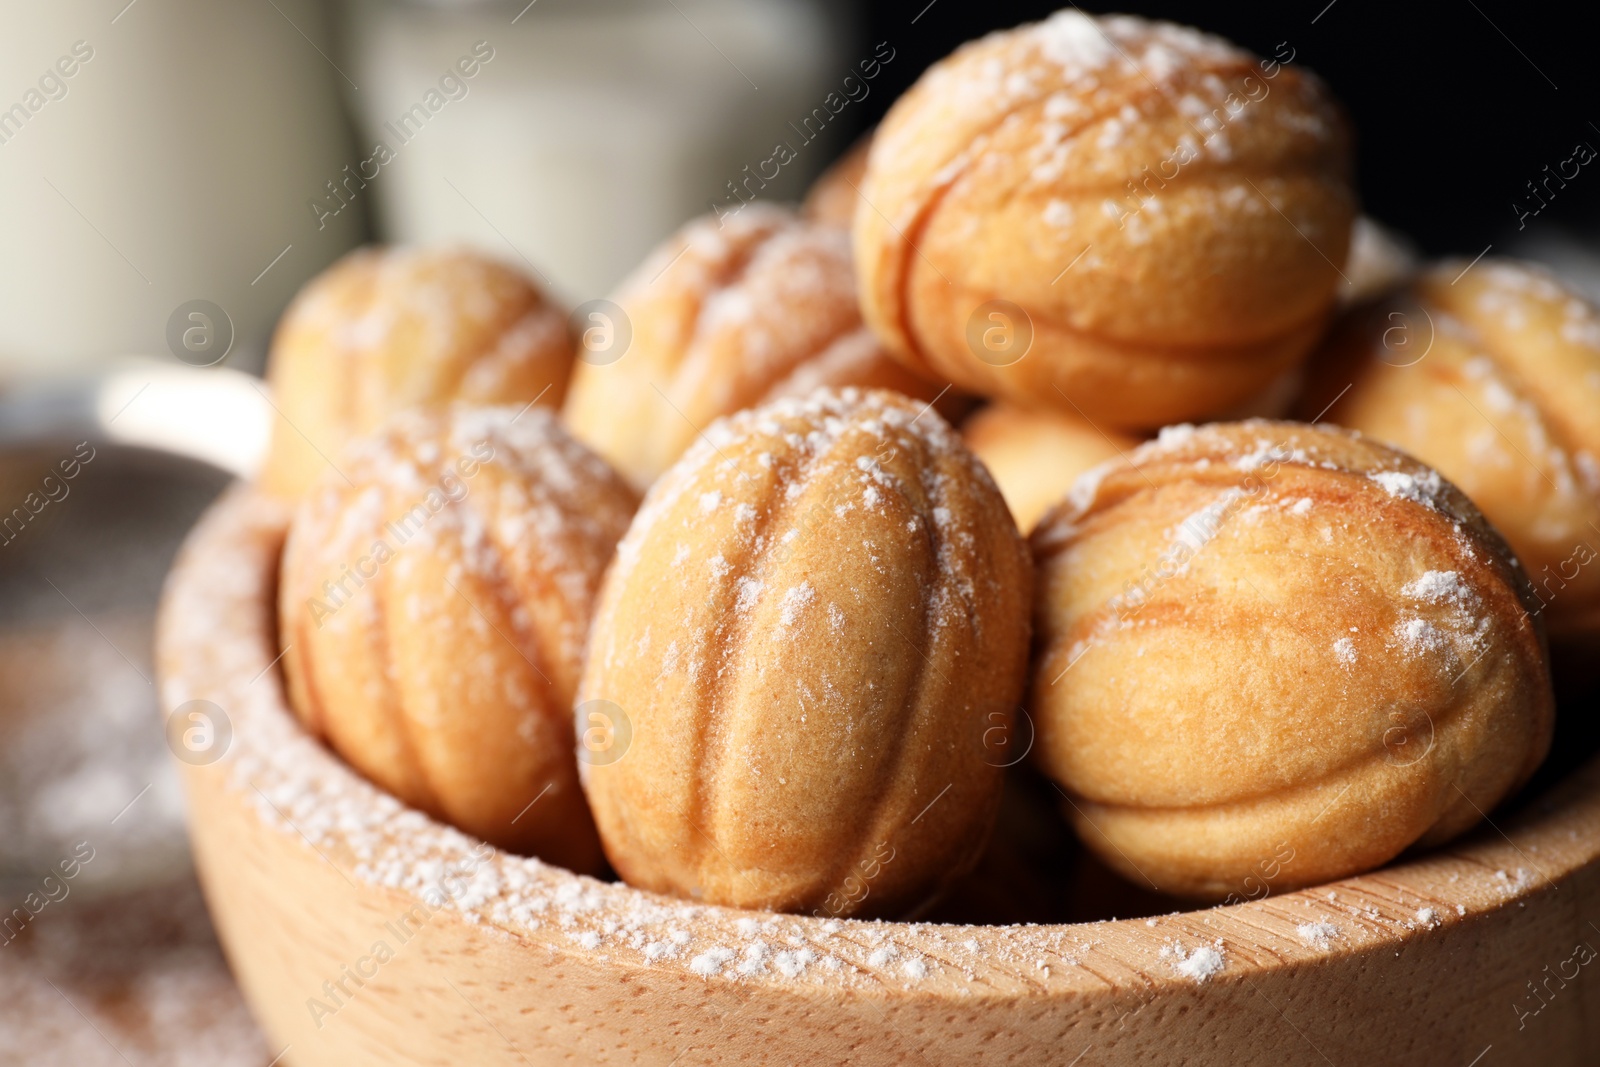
(914, 969)
(1425, 489)
(1058, 213)
(749, 592)
(1345, 649)
(1441, 587)
(1172, 436)
(1074, 42)
(661, 950)
(755, 959)
(710, 501)
(710, 962)
(795, 599)
(1200, 964)
(1317, 934)
(1419, 636)
(1264, 453)
(1197, 965)
(880, 957)
(793, 964)
(1427, 916)
(1511, 884)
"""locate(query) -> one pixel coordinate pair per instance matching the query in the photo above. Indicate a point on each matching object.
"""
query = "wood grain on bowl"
(363, 932)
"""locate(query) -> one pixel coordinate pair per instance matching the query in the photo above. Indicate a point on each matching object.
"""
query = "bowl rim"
(217, 641)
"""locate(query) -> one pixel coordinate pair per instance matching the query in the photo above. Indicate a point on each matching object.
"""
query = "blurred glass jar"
(156, 154)
(573, 135)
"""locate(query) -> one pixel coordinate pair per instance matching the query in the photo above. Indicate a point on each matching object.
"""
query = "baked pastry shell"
(1236, 658)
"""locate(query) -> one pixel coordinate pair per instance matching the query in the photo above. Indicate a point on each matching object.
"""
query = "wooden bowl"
(363, 932)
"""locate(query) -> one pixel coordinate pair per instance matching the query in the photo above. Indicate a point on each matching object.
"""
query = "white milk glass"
(172, 164)
(596, 128)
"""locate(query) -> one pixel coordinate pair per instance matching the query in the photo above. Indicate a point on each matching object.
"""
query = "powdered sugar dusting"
(709, 963)
(1455, 627)
(1074, 42)
(792, 964)
(1440, 587)
(1513, 883)
(1317, 934)
(1198, 965)
(749, 591)
(1422, 488)
(1418, 636)
(794, 600)
(1173, 436)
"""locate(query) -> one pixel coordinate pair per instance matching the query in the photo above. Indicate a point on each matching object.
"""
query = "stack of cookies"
(744, 581)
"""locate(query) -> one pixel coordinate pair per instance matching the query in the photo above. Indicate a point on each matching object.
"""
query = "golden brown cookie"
(435, 607)
(1127, 216)
(727, 314)
(1036, 455)
(1272, 654)
(1492, 375)
(813, 639)
(385, 329)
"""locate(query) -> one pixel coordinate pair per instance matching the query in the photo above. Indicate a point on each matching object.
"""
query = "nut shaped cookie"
(816, 633)
(1492, 376)
(434, 608)
(1270, 655)
(1125, 217)
(385, 329)
(1036, 455)
(728, 314)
